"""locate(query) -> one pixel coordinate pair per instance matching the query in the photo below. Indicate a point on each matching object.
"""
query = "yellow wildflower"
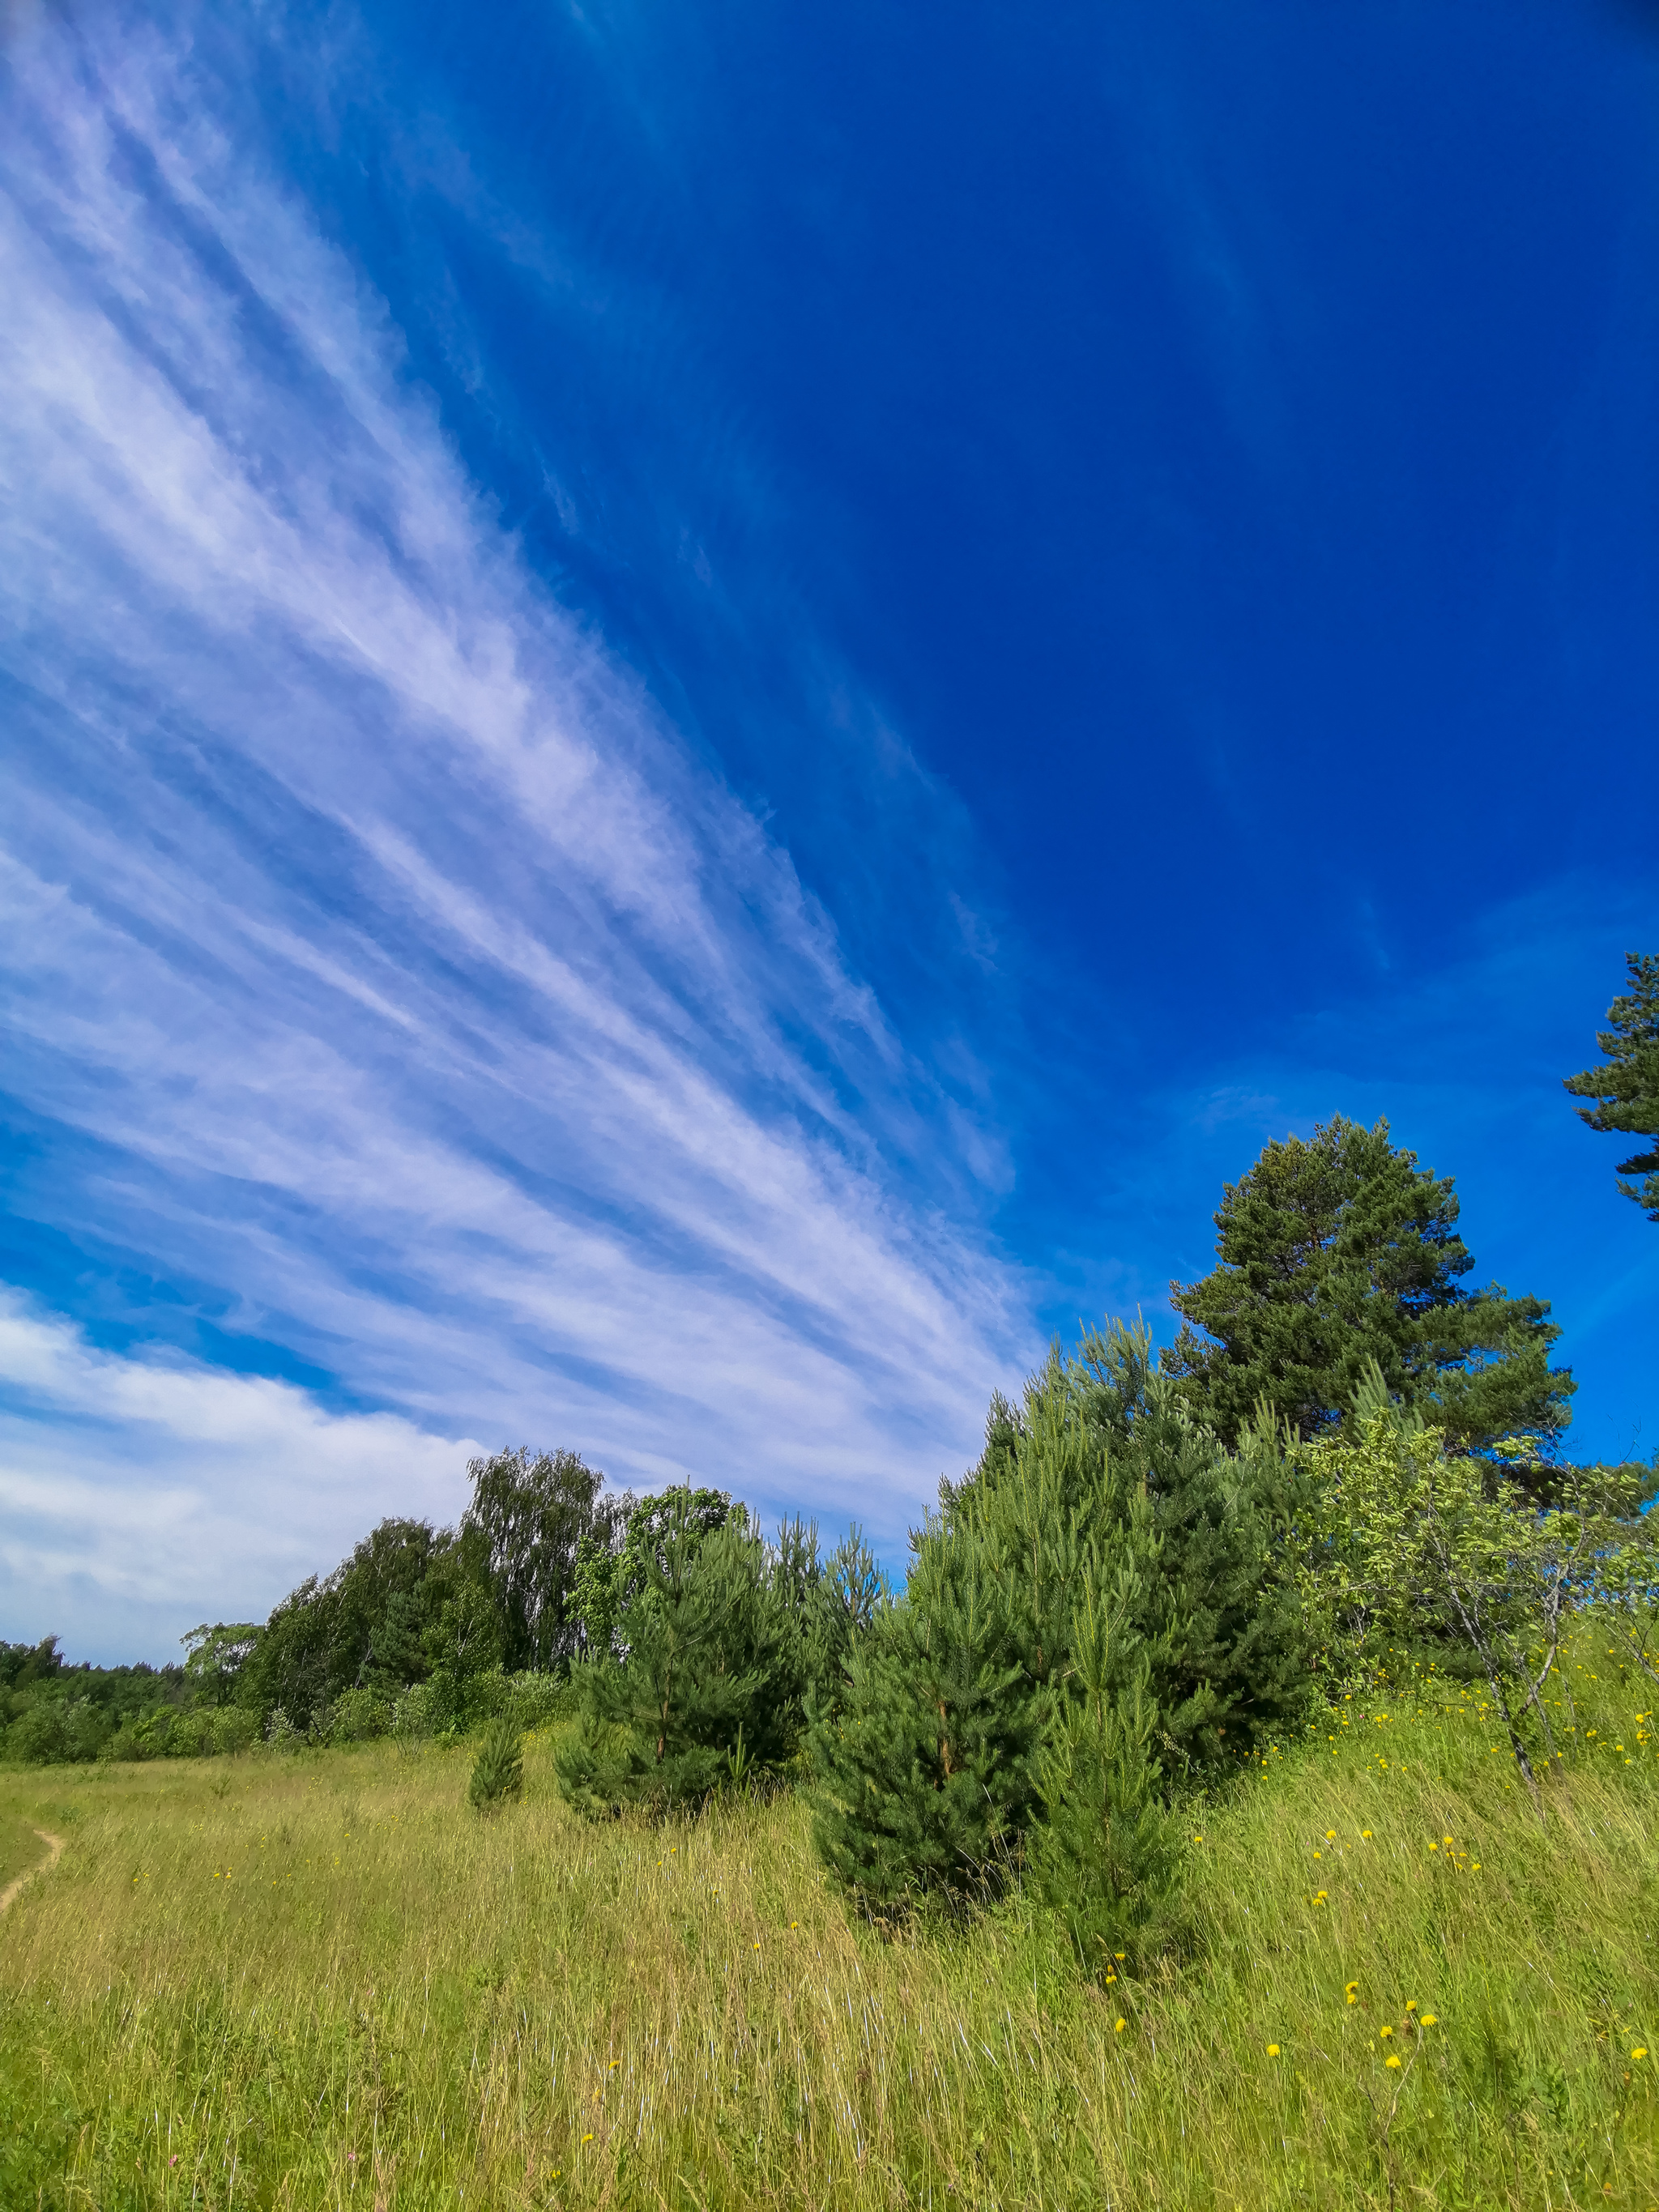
(1391, 2061)
(1429, 2018)
(1273, 2051)
(1639, 2050)
(1385, 2030)
(1118, 2027)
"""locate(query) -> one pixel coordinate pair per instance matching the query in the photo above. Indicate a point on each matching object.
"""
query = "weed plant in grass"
(318, 1982)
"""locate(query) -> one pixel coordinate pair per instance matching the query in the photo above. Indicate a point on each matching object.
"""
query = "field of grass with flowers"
(320, 1981)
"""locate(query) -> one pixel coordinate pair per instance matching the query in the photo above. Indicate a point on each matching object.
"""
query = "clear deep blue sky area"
(705, 708)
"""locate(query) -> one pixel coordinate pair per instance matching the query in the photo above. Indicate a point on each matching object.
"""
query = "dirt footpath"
(54, 1844)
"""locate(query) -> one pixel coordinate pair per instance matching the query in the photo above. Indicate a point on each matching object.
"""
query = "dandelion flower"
(1638, 2051)
(1428, 2020)
(1330, 1835)
(1118, 2027)
(1411, 2004)
(587, 2139)
(1385, 2030)
(1273, 2051)
(1391, 2061)
(1366, 1834)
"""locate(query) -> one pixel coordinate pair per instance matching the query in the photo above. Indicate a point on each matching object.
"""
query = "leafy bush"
(536, 1700)
(1405, 1544)
(498, 1769)
(357, 1716)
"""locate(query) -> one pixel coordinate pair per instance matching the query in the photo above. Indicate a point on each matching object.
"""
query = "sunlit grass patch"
(322, 1981)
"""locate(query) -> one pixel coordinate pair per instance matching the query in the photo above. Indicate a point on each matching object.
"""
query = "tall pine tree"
(1626, 1087)
(1339, 1250)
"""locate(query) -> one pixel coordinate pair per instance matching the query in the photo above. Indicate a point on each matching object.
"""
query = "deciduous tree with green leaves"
(532, 1514)
(1625, 1087)
(1407, 1544)
(1338, 1250)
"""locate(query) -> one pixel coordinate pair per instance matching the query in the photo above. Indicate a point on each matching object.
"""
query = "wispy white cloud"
(373, 950)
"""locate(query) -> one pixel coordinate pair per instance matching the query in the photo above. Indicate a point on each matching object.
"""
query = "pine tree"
(498, 1769)
(924, 1779)
(1340, 1250)
(1104, 1462)
(612, 1564)
(1626, 1087)
(1102, 1853)
(704, 1635)
(1101, 1608)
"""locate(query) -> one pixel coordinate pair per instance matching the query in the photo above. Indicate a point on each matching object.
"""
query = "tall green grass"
(321, 1982)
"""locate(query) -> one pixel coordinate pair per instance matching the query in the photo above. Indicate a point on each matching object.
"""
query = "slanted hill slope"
(321, 1980)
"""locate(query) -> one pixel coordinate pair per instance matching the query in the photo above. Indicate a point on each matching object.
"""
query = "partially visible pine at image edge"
(1626, 1088)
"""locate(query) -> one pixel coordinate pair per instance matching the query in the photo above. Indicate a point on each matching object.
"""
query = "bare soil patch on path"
(54, 1844)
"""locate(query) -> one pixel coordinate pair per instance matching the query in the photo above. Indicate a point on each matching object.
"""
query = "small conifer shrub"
(498, 1770)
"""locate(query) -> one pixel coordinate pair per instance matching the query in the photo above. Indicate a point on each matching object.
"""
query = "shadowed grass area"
(323, 1981)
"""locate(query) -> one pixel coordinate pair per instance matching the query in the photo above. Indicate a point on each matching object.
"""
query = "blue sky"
(704, 712)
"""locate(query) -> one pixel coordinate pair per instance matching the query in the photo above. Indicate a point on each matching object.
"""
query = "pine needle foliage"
(924, 1779)
(1101, 1613)
(705, 1637)
(1339, 1249)
(498, 1769)
(1625, 1087)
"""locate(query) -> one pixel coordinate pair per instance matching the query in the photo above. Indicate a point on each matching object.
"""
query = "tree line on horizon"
(1158, 1563)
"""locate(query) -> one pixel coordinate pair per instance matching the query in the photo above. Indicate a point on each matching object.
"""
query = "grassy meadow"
(319, 1980)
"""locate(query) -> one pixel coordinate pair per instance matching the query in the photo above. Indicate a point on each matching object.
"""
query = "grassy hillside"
(320, 1981)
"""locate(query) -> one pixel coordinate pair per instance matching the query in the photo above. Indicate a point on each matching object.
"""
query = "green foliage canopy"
(1625, 1087)
(1102, 1606)
(531, 1516)
(1338, 1251)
